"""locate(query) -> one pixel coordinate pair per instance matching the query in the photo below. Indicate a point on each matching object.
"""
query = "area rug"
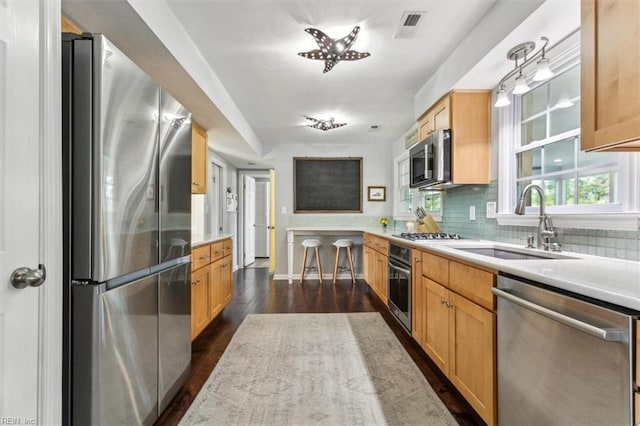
(316, 369)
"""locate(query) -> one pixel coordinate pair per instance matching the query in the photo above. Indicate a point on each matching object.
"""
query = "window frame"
(416, 194)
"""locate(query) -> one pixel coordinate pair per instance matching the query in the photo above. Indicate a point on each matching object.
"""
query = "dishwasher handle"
(608, 334)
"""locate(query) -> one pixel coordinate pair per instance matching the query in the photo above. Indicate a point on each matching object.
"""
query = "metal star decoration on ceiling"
(324, 125)
(333, 51)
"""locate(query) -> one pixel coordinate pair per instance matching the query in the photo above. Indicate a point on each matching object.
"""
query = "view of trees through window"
(549, 151)
(431, 201)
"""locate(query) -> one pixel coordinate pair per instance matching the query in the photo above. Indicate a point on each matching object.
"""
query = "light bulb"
(542, 70)
(521, 86)
(503, 99)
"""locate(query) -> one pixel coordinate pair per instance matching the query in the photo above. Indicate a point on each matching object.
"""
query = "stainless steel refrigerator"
(127, 224)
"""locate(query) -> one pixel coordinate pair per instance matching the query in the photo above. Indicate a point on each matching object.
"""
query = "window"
(539, 143)
(549, 148)
(408, 199)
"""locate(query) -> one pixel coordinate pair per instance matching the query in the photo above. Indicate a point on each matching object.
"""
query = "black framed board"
(327, 185)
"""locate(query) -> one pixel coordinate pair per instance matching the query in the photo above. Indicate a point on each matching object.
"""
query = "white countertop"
(611, 280)
(200, 239)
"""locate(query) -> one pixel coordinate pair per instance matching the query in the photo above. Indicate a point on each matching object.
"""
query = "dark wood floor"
(255, 292)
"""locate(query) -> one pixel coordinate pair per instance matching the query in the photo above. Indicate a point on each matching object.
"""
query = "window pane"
(534, 102)
(560, 190)
(559, 156)
(432, 201)
(596, 189)
(566, 86)
(586, 159)
(564, 119)
(529, 163)
(534, 130)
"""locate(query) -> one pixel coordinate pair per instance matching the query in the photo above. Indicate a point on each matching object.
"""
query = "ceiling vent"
(410, 25)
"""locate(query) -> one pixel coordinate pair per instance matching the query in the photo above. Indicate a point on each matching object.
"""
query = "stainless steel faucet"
(545, 227)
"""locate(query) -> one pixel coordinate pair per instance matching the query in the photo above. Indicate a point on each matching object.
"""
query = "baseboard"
(314, 276)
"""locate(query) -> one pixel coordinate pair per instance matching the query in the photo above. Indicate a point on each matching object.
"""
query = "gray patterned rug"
(316, 369)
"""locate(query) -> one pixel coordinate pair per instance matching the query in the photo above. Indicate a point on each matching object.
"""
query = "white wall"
(377, 170)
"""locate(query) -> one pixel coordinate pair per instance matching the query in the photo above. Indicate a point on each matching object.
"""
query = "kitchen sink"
(509, 253)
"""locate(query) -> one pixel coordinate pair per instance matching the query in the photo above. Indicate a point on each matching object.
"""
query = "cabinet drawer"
(227, 247)
(200, 256)
(474, 284)
(436, 268)
(382, 245)
(217, 250)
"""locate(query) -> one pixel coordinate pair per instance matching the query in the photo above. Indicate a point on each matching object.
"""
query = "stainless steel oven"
(399, 284)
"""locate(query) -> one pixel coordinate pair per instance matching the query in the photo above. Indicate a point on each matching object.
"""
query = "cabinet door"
(417, 309)
(199, 301)
(610, 81)
(198, 159)
(227, 287)
(366, 263)
(215, 289)
(436, 332)
(425, 125)
(472, 364)
(441, 113)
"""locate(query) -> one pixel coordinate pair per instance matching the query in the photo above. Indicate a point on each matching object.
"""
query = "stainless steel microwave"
(430, 160)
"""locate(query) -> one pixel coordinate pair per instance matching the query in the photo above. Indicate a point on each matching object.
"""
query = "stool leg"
(304, 264)
(353, 277)
(318, 264)
(335, 265)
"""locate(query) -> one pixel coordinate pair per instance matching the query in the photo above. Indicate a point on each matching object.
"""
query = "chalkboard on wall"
(327, 185)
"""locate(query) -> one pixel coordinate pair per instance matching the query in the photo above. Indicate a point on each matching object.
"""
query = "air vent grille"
(412, 20)
(410, 25)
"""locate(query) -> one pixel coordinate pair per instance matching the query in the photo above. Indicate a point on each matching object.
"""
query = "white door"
(30, 220)
(249, 220)
(262, 219)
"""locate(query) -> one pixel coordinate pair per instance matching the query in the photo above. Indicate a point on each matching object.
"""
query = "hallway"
(254, 291)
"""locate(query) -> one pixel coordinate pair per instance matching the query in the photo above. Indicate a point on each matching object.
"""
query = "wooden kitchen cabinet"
(375, 260)
(211, 282)
(199, 301)
(455, 309)
(198, 159)
(610, 76)
(467, 114)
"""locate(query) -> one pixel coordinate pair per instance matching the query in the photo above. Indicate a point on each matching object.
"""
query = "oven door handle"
(608, 334)
(403, 270)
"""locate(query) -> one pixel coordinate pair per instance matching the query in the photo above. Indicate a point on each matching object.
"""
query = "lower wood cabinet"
(455, 323)
(211, 283)
(375, 260)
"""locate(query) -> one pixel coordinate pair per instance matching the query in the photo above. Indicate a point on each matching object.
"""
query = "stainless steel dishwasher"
(562, 360)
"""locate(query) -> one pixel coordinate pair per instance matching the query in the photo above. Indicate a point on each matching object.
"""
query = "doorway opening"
(256, 207)
(215, 206)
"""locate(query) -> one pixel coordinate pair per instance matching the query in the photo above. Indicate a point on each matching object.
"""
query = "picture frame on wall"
(377, 193)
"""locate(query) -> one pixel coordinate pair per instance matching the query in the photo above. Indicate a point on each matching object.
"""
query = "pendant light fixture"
(517, 53)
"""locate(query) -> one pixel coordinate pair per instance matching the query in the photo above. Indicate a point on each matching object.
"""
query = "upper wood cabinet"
(467, 114)
(610, 75)
(198, 159)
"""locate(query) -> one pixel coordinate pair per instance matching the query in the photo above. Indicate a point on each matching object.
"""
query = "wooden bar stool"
(343, 243)
(314, 244)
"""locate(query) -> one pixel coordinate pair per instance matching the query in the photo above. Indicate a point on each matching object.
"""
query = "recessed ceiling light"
(333, 51)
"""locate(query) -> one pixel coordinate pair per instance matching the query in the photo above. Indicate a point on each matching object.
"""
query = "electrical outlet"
(491, 209)
(472, 212)
(283, 210)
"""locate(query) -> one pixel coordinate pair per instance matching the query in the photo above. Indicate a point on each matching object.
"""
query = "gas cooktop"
(415, 236)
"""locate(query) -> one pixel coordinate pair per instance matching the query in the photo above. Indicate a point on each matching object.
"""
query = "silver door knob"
(27, 277)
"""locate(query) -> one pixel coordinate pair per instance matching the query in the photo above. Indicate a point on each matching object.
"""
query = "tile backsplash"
(617, 244)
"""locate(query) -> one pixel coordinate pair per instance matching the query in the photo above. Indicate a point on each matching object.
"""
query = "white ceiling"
(256, 89)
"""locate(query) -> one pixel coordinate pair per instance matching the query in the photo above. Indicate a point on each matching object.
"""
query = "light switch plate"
(472, 212)
(491, 209)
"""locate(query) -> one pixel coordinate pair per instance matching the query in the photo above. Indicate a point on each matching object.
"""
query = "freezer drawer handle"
(608, 334)
(26, 277)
